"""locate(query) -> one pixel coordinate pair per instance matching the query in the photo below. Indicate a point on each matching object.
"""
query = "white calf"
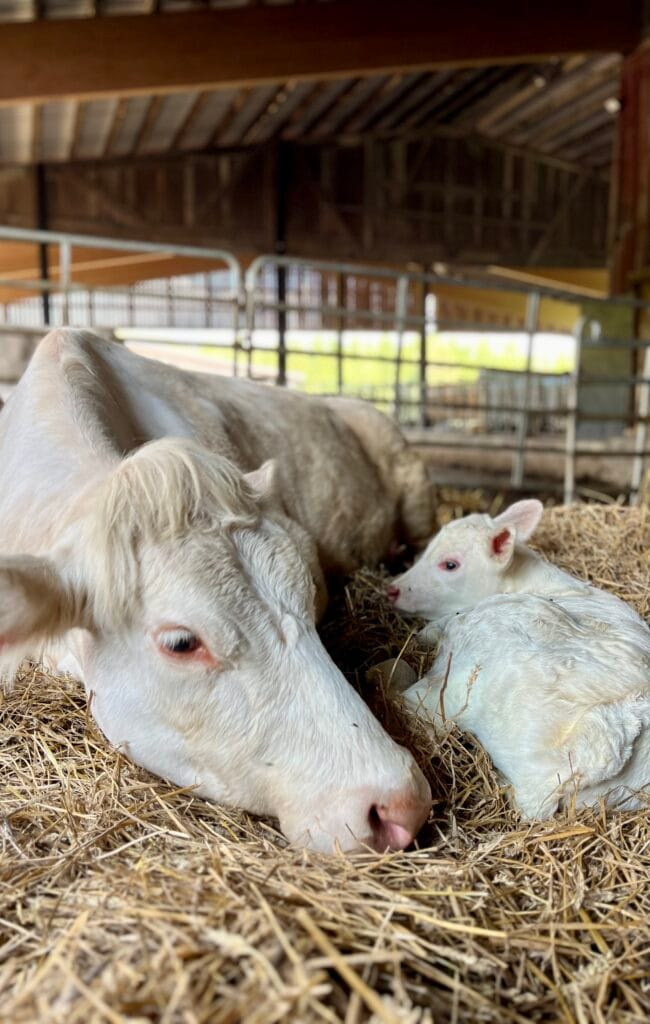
(552, 675)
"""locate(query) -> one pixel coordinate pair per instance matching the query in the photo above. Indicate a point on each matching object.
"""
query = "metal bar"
(281, 285)
(559, 411)
(532, 321)
(432, 441)
(207, 291)
(122, 245)
(282, 175)
(601, 381)
(401, 307)
(65, 254)
(496, 481)
(376, 357)
(340, 328)
(641, 432)
(572, 418)
(389, 317)
(43, 258)
(217, 345)
(615, 343)
(249, 327)
(491, 283)
(45, 285)
(424, 419)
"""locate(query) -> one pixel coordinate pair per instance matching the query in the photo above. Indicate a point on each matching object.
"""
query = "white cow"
(551, 674)
(180, 587)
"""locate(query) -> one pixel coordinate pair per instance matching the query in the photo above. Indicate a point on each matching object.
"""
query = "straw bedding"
(125, 900)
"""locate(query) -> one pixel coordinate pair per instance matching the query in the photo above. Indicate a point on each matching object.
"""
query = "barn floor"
(123, 899)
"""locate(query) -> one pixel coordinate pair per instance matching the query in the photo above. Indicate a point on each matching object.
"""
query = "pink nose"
(393, 593)
(396, 823)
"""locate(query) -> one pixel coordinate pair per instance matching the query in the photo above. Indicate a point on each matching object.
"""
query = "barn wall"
(439, 197)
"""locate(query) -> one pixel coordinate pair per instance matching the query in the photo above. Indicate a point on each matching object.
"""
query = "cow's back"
(332, 479)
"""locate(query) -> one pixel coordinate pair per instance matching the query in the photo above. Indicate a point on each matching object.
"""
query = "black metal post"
(42, 221)
(340, 302)
(424, 390)
(283, 170)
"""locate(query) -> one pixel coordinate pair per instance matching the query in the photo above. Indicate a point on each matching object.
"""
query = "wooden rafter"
(147, 123)
(593, 143)
(286, 103)
(75, 130)
(37, 133)
(415, 99)
(356, 98)
(589, 100)
(118, 119)
(206, 119)
(396, 86)
(253, 107)
(509, 82)
(191, 115)
(400, 95)
(324, 100)
(578, 130)
(543, 102)
(262, 44)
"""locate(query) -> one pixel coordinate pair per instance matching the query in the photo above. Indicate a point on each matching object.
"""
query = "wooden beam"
(630, 197)
(264, 44)
(542, 102)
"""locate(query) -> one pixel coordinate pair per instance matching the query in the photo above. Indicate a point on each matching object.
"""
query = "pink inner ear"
(500, 541)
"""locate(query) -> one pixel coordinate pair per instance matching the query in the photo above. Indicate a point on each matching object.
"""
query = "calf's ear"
(502, 545)
(36, 603)
(523, 516)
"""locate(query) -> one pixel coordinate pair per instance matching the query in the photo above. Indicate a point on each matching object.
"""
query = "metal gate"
(261, 320)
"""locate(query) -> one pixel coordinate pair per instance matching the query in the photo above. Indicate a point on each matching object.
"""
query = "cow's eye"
(449, 564)
(178, 641)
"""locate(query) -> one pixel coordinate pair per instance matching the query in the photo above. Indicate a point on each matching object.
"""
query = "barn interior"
(441, 208)
(438, 195)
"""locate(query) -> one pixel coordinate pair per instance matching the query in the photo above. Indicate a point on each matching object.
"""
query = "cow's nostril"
(389, 834)
(393, 593)
(373, 819)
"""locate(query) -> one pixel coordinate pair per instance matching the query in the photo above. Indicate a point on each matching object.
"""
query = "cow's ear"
(36, 603)
(523, 516)
(263, 481)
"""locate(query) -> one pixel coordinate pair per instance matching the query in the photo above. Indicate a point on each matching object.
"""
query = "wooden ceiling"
(561, 106)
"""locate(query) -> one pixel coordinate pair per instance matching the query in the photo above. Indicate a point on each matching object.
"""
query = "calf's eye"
(449, 564)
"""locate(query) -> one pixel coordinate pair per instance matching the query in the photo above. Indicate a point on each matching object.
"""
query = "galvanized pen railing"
(234, 307)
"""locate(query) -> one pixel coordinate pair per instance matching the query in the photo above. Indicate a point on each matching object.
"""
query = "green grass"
(315, 370)
(318, 372)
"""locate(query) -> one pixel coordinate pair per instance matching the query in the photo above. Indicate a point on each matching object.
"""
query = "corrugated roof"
(564, 108)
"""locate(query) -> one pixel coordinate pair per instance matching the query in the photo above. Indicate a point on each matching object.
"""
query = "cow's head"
(198, 641)
(468, 559)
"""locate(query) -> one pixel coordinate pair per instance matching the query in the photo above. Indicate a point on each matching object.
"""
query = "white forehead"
(462, 533)
(230, 581)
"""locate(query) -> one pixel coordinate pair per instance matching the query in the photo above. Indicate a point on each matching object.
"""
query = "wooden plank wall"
(425, 198)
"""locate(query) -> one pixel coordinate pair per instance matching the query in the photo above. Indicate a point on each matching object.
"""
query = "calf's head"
(467, 560)
(194, 605)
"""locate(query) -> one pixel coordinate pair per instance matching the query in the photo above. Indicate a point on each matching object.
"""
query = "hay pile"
(124, 900)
